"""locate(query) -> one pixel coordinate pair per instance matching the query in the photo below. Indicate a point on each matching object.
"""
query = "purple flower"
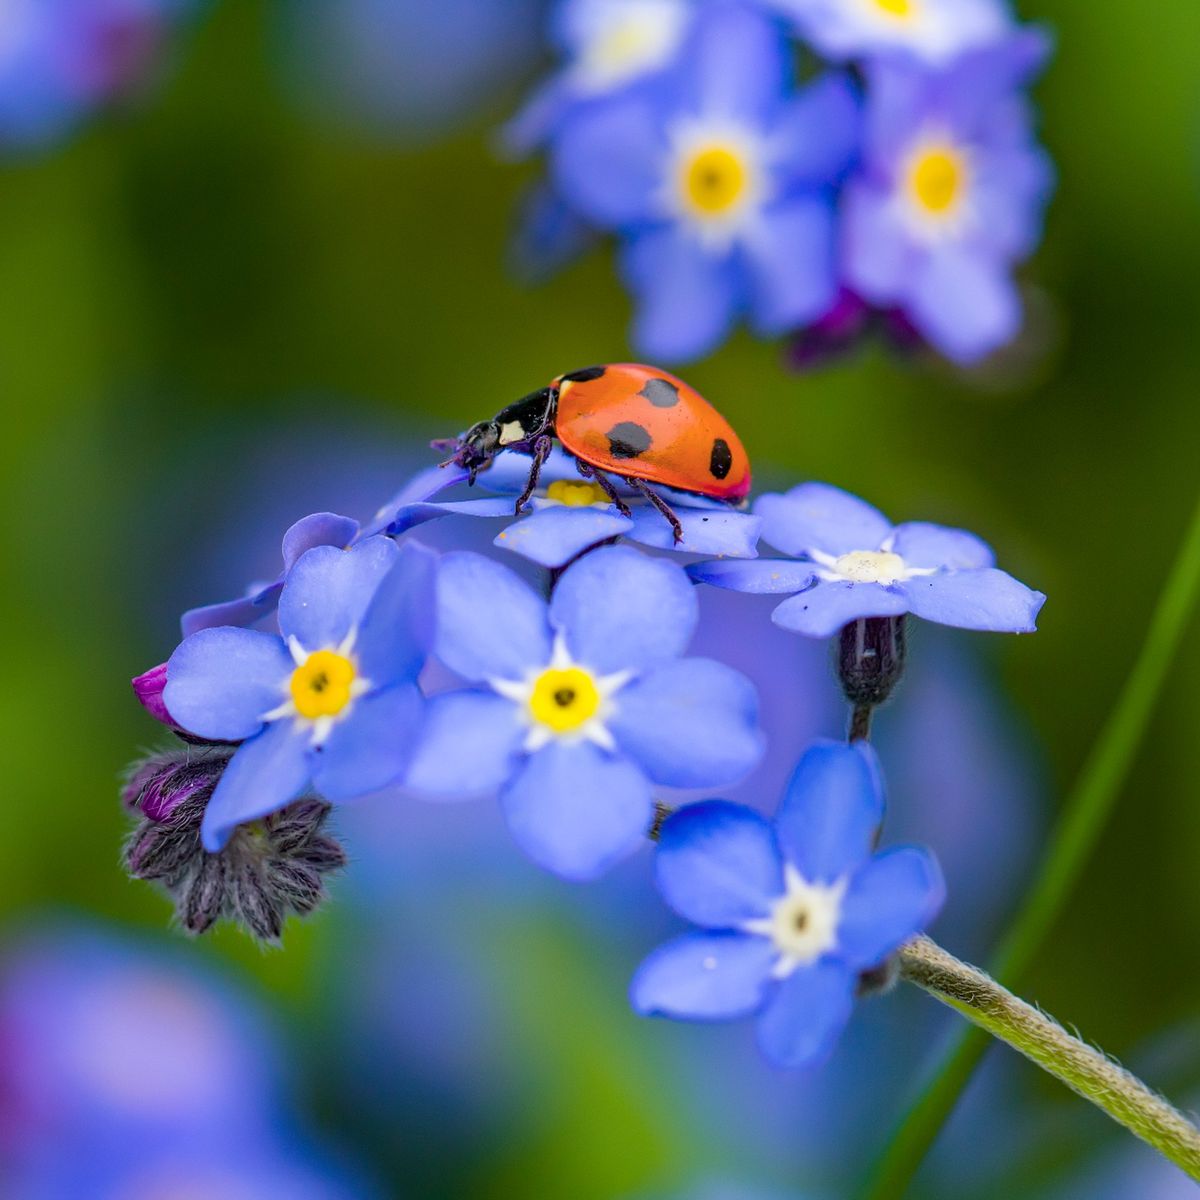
(567, 514)
(932, 31)
(848, 562)
(609, 46)
(792, 911)
(333, 702)
(582, 705)
(719, 180)
(950, 195)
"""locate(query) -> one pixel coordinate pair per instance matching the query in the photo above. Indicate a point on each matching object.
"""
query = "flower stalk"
(1083, 1068)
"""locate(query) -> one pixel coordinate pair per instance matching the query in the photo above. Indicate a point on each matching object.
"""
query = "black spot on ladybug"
(628, 440)
(586, 375)
(721, 458)
(661, 393)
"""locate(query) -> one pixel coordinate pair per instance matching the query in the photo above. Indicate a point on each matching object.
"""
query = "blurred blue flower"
(332, 702)
(609, 46)
(567, 514)
(586, 704)
(59, 59)
(932, 31)
(950, 195)
(850, 562)
(792, 911)
(719, 178)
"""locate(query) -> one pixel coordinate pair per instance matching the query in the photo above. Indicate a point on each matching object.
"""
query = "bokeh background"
(254, 290)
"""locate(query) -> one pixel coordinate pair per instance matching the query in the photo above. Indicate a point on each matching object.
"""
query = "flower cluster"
(902, 180)
(62, 59)
(373, 662)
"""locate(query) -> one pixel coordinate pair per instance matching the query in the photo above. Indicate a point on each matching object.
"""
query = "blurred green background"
(184, 287)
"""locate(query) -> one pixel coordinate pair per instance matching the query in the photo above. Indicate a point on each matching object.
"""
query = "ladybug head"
(474, 450)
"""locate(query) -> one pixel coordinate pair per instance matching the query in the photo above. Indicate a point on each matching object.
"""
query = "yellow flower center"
(714, 180)
(322, 684)
(576, 495)
(937, 178)
(564, 699)
(902, 9)
(870, 566)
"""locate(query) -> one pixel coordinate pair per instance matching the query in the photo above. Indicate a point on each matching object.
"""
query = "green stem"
(1081, 1067)
(1080, 824)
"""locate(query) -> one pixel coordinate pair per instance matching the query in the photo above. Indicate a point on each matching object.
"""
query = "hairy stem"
(1081, 822)
(1081, 1067)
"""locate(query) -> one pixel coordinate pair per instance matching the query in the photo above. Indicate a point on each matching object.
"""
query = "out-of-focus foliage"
(218, 313)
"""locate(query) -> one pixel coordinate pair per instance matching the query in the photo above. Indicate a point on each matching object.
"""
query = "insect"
(630, 421)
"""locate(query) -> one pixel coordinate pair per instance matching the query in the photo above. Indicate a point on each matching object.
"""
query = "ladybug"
(635, 422)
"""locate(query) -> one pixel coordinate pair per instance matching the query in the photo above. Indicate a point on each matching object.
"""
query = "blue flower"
(567, 514)
(332, 703)
(932, 31)
(609, 46)
(848, 562)
(581, 706)
(719, 178)
(792, 911)
(950, 195)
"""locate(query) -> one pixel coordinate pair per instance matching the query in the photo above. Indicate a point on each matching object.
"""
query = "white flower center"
(803, 923)
(564, 700)
(883, 566)
(627, 38)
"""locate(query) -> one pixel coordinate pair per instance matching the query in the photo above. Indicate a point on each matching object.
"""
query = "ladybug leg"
(541, 451)
(662, 506)
(589, 472)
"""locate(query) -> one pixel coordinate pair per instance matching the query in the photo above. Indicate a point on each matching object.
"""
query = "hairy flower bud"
(871, 659)
(269, 868)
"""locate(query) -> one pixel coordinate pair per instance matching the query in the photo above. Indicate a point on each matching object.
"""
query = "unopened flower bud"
(871, 659)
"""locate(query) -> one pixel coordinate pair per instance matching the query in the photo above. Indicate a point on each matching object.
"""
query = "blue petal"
(801, 1024)
(891, 899)
(424, 484)
(576, 811)
(619, 609)
(738, 64)
(509, 471)
(328, 591)
(878, 254)
(772, 576)
(491, 625)
(705, 531)
(964, 304)
(921, 544)
(704, 977)
(469, 744)
(823, 609)
(831, 810)
(409, 516)
(536, 118)
(397, 629)
(220, 682)
(267, 773)
(245, 610)
(549, 235)
(555, 534)
(986, 599)
(718, 864)
(691, 723)
(608, 160)
(687, 298)
(792, 265)
(319, 529)
(816, 516)
(817, 136)
(371, 748)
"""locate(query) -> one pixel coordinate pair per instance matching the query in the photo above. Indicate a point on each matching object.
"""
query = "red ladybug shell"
(642, 423)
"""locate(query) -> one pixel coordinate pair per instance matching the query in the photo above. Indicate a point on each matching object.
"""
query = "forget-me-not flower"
(950, 195)
(848, 562)
(568, 513)
(933, 31)
(719, 180)
(332, 703)
(792, 911)
(580, 705)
